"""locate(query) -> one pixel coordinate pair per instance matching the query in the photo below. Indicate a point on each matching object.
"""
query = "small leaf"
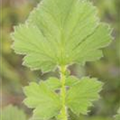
(46, 103)
(11, 112)
(82, 94)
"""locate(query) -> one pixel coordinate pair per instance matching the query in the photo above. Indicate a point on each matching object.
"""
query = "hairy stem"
(63, 93)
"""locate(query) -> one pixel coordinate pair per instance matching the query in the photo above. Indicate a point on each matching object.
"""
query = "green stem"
(63, 93)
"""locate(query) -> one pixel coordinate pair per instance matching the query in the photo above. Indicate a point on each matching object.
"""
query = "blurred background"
(14, 76)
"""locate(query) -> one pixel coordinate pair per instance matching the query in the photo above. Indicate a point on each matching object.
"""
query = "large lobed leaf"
(61, 32)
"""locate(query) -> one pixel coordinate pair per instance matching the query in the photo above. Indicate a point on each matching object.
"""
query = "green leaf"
(61, 32)
(46, 103)
(117, 117)
(11, 112)
(82, 94)
(30, 41)
(53, 83)
(71, 81)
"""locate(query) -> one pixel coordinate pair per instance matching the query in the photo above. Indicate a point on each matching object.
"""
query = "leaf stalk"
(63, 113)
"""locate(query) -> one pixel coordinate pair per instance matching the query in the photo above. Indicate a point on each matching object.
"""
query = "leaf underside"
(61, 32)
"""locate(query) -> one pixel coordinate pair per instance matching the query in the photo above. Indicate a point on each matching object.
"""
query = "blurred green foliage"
(11, 112)
(117, 117)
(14, 76)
